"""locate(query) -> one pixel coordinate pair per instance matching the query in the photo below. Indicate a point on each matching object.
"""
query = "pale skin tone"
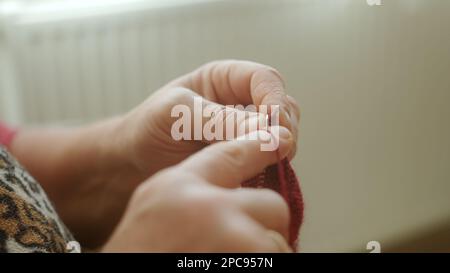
(124, 184)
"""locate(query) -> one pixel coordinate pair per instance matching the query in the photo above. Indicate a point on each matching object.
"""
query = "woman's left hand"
(144, 134)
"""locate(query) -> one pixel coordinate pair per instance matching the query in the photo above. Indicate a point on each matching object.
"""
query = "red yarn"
(282, 179)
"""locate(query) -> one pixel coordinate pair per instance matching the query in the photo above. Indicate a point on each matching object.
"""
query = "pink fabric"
(6, 135)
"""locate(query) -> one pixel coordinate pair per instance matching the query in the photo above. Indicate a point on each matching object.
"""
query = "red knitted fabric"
(282, 179)
(6, 135)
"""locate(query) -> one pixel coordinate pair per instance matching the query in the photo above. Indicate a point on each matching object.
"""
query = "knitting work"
(282, 179)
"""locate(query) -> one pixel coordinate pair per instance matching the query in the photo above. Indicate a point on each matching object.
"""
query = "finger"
(265, 206)
(227, 123)
(240, 82)
(227, 164)
(244, 234)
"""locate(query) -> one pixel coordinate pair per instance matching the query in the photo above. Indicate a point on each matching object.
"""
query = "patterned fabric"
(28, 221)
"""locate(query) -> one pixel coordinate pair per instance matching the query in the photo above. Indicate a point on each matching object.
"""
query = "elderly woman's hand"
(144, 135)
(198, 205)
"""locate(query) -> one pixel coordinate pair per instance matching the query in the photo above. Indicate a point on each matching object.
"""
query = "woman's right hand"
(199, 206)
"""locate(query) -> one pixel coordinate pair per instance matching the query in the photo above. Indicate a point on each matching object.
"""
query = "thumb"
(229, 163)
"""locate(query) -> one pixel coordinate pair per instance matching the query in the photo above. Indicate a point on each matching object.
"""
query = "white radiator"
(78, 61)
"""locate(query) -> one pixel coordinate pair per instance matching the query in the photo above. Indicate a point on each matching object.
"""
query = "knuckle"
(198, 204)
(277, 73)
(189, 199)
(275, 87)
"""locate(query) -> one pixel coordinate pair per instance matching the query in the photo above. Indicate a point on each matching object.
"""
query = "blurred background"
(373, 83)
